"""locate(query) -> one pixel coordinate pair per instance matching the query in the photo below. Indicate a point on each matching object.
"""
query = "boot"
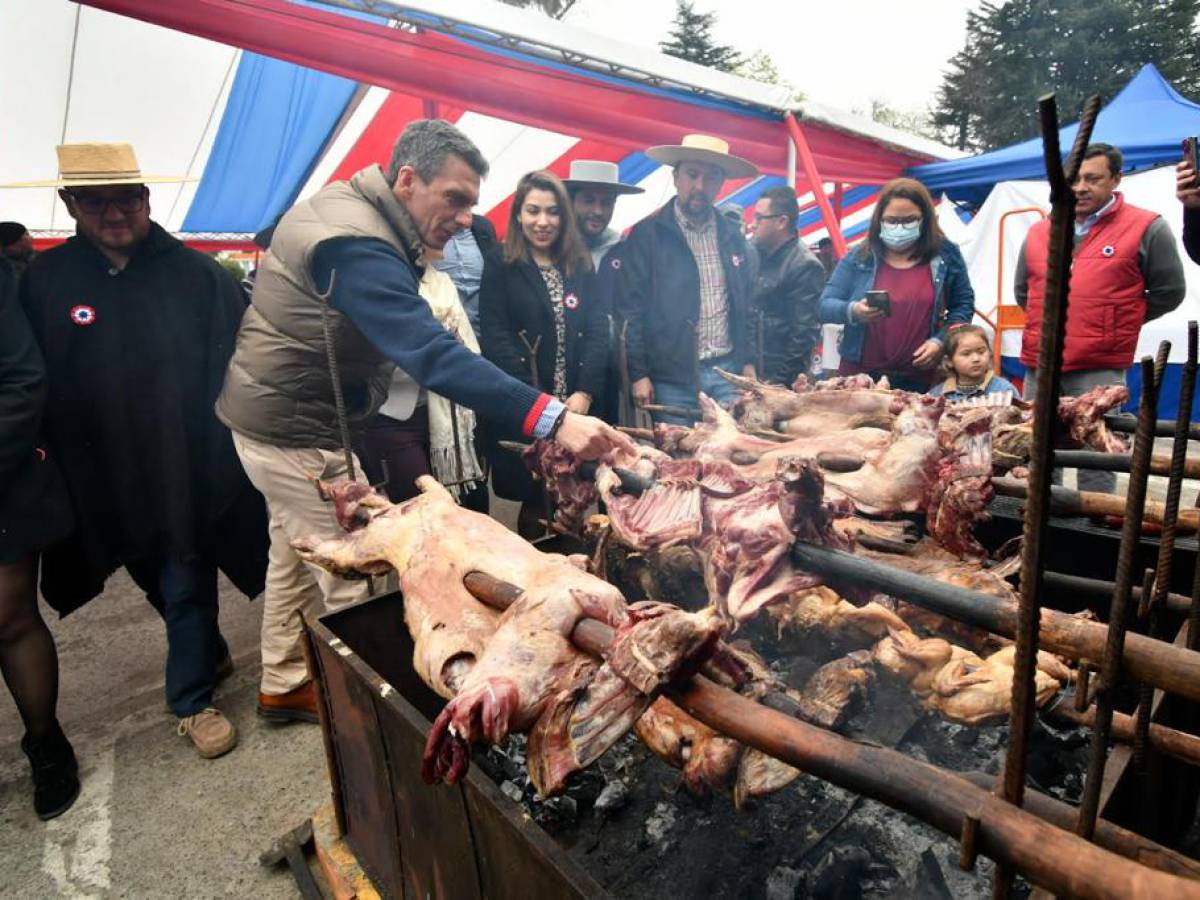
(55, 773)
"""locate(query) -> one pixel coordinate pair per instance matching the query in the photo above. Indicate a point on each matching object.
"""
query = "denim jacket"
(953, 297)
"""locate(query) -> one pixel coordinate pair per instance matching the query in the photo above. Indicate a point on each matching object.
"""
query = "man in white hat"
(136, 330)
(684, 285)
(594, 186)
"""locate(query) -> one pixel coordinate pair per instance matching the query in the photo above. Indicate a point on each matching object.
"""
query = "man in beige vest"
(357, 243)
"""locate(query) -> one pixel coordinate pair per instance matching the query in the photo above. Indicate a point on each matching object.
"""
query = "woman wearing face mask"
(539, 320)
(927, 286)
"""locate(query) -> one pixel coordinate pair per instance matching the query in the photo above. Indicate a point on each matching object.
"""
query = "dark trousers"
(402, 449)
(185, 595)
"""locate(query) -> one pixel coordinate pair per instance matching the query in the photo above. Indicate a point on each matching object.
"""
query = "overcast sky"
(842, 52)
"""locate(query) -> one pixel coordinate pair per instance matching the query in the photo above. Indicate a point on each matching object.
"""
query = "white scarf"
(442, 296)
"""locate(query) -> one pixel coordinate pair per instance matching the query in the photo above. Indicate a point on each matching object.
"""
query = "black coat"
(135, 359)
(658, 295)
(33, 499)
(513, 298)
(787, 293)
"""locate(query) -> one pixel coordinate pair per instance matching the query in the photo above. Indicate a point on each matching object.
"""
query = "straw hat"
(704, 148)
(84, 165)
(596, 173)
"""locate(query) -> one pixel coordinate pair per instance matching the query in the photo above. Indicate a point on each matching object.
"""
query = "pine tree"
(691, 38)
(1017, 50)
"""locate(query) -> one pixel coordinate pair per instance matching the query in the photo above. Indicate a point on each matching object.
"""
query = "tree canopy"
(691, 38)
(1017, 50)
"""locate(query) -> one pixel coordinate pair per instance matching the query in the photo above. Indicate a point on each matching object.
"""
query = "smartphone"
(880, 300)
(1193, 159)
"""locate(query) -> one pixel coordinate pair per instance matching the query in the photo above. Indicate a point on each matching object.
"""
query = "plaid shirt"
(712, 331)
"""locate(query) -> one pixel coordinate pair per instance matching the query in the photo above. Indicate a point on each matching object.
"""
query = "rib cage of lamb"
(696, 570)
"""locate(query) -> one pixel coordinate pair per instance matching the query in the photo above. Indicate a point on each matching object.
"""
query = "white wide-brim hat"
(599, 174)
(94, 165)
(704, 148)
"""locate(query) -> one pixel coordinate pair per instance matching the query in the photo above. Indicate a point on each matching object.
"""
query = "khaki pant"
(294, 588)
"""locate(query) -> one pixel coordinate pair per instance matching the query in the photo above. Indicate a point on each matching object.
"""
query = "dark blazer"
(484, 233)
(513, 298)
(658, 295)
(34, 508)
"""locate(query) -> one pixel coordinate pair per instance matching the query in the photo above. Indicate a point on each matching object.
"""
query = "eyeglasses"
(901, 220)
(759, 217)
(94, 206)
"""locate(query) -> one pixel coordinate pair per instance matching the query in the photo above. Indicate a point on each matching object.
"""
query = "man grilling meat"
(136, 330)
(350, 258)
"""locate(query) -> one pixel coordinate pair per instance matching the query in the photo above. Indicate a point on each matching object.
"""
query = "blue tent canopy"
(1146, 120)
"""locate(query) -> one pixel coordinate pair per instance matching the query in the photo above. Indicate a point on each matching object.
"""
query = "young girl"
(969, 362)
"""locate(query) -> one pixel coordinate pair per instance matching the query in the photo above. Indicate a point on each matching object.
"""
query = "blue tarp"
(1146, 120)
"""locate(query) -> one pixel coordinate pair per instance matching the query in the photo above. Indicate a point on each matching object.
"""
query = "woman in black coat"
(34, 512)
(540, 320)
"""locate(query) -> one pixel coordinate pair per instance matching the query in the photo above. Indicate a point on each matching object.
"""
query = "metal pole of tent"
(818, 186)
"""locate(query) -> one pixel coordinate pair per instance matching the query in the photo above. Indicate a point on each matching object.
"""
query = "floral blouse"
(554, 284)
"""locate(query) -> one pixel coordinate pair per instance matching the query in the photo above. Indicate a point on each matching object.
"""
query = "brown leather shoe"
(297, 705)
(211, 733)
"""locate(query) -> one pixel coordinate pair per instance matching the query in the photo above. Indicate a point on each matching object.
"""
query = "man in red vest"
(1126, 271)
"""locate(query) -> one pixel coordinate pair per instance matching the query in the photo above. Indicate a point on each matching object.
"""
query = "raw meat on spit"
(835, 404)
(517, 671)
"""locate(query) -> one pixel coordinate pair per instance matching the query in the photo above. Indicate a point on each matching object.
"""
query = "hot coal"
(640, 834)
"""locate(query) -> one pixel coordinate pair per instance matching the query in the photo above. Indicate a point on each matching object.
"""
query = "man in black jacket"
(786, 291)
(684, 284)
(136, 330)
(1187, 189)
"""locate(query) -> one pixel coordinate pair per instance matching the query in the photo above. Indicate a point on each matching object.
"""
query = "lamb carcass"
(898, 479)
(1084, 417)
(962, 487)
(718, 438)
(517, 671)
(836, 404)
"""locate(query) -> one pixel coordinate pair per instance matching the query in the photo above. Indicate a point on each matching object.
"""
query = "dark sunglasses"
(759, 217)
(94, 206)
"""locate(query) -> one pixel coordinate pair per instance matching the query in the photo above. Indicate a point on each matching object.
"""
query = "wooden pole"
(1048, 856)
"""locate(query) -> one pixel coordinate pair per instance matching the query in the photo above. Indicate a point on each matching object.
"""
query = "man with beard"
(787, 288)
(594, 186)
(684, 287)
(136, 330)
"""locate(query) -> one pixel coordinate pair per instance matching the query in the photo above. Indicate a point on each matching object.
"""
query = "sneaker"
(297, 705)
(211, 733)
(55, 773)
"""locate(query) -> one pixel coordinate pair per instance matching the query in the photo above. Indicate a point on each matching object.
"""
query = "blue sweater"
(378, 290)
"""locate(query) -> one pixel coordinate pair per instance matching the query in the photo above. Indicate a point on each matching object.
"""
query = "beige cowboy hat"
(599, 174)
(704, 148)
(91, 165)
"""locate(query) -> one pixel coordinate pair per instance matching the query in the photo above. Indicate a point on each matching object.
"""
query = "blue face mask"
(899, 236)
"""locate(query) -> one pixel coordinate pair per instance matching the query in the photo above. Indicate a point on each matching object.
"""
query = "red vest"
(1107, 305)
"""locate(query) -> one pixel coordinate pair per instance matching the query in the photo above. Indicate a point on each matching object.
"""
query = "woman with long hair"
(924, 277)
(539, 319)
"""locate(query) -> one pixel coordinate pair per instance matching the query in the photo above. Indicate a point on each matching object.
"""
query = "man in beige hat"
(684, 284)
(136, 330)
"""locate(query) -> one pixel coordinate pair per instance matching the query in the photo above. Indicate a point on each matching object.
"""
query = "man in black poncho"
(136, 330)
